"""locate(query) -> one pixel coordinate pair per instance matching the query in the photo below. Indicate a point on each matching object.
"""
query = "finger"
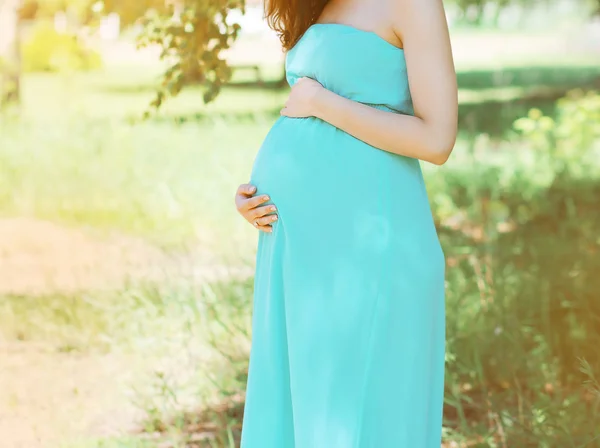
(246, 190)
(265, 220)
(259, 212)
(254, 201)
(267, 229)
(265, 223)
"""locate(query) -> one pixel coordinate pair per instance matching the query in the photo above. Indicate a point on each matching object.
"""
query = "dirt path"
(48, 397)
(41, 257)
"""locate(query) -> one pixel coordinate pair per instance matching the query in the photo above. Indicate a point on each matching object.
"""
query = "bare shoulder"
(418, 17)
(404, 9)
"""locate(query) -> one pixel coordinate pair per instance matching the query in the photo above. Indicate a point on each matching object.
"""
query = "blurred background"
(126, 273)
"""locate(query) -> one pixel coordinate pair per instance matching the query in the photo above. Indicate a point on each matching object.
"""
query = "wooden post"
(10, 51)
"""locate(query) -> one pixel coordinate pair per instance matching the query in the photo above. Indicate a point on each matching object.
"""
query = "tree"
(192, 35)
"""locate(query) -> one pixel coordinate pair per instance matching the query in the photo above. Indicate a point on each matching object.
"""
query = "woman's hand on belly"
(250, 208)
(300, 103)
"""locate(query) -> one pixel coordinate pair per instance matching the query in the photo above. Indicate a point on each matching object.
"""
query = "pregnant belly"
(325, 181)
(309, 160)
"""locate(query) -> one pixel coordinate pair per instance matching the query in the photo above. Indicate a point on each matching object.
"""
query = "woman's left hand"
(301, 102)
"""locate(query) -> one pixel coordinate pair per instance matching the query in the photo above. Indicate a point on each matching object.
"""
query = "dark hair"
(291, 18)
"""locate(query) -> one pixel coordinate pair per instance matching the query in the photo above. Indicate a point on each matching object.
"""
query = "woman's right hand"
(249, 206)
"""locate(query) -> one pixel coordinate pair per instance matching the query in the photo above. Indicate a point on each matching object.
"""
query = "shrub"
(520, 235)
(46, 50)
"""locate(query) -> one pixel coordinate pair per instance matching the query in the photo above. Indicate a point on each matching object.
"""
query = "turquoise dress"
(348, 324)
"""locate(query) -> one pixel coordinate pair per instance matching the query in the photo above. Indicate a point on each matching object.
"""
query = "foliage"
(517, 218)
(191, 33)
(518, 228)
(44, 9)
(130, 12)
(519, 231)
(474, 12)
(84, 11)
(192, 40)
(48, 50)
(566, 143)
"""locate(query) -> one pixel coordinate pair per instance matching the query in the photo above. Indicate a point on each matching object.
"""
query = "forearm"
(389, 131)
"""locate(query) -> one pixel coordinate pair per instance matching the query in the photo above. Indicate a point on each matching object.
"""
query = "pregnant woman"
(348, 324)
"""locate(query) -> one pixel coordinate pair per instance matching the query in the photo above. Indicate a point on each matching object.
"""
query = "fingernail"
(265, 198)
(270, 230)
(272, 208)
(252, 189)
(274, 218)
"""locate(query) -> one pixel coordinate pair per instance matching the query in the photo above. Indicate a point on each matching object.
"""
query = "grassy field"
(126, 275)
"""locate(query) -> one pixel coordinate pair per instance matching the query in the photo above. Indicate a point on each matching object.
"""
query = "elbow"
(440, 154)
(441, 142)
(439, 158)
(441, 148)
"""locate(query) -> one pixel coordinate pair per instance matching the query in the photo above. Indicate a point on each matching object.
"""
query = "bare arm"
(429, 135)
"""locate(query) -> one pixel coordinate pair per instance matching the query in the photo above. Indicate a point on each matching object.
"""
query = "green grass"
(121, 442)
(522, 304)
(170, 178)
(167, 182)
